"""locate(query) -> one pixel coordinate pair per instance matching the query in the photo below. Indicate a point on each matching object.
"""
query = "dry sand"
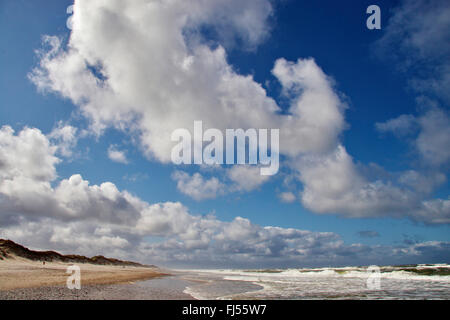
(29, 280)
(20, 273)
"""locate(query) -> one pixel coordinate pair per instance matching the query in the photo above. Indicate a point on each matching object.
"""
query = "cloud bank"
(74, 215)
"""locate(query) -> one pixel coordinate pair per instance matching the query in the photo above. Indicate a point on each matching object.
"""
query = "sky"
(90, 95)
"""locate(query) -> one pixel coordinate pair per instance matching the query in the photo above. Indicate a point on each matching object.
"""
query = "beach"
(21, 273)
(24, 279)
(33, 280)
(164, 288)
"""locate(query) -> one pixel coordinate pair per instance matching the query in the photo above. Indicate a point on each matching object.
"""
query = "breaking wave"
(395, 282)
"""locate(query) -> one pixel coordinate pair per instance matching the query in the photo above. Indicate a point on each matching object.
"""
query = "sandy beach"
(164, 288)
(20, 273)
(24, 279)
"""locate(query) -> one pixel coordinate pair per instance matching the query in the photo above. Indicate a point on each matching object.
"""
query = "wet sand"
(165, 288)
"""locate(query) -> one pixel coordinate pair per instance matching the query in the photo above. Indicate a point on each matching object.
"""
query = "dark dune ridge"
(9, 249)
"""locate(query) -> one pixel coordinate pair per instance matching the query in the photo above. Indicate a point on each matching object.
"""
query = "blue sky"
(375, 80)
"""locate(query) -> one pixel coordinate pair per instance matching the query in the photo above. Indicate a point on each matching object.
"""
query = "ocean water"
(388, 282)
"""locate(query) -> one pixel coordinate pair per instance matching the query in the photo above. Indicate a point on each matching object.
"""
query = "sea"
(431, 281)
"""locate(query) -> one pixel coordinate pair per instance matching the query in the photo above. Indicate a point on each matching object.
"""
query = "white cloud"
(287, 197)
(79, 200)
(26, 155)
(68, 237)
(246, 178)
(432, 141)
(197, 187)
(27, 165)
(417, 37)
(159, 75)
(316, 118)
(333, 184)
(27, 169)
(117, 155)
(434, 211)
(422, 182)
(402, 125)
(239, 178)
(65, 138)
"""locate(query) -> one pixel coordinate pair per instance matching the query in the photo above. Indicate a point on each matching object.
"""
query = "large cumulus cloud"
(146, 68)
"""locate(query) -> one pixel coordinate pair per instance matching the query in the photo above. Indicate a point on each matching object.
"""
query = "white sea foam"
(196, 294)
(323, 283)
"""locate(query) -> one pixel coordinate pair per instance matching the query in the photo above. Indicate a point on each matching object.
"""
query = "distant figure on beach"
(43, 262)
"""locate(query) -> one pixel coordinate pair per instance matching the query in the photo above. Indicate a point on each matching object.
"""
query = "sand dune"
(21, 267)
